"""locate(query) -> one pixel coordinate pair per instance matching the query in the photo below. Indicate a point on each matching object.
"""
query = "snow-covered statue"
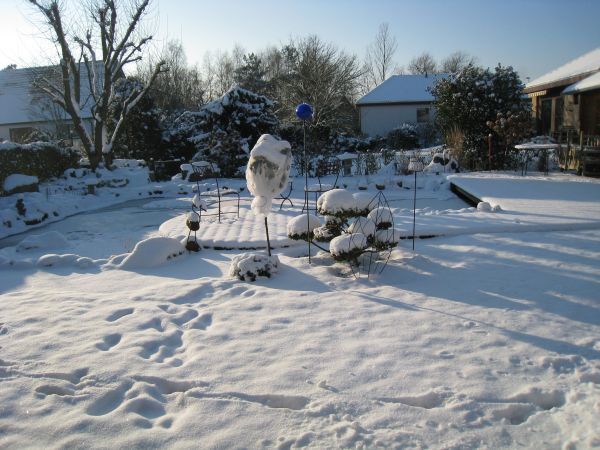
(268, 171)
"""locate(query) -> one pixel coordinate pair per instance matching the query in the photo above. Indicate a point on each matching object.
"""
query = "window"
(20, 134)
(422, 115)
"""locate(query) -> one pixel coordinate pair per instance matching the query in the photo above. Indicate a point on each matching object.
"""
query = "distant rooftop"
(587, 84)
(20, 104)
(402, 89)
(568, 73)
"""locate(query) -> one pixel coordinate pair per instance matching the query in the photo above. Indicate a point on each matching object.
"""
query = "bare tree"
(119, 44)
(321, 75)
(424, 64)
(456, 61)
(379, 62)
(178, 88)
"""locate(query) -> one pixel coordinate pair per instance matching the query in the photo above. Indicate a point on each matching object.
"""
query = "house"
(23, 108)
(399, 99)
(568, 98)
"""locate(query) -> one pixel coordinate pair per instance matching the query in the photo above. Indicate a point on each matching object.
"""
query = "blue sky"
(534, 36)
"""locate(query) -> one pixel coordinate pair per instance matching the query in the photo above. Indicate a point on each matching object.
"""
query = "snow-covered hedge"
(41, 159)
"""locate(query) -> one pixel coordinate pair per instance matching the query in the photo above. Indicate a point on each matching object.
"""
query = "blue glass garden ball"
(304, 111)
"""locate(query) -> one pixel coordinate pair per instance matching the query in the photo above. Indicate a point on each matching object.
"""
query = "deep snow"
(488, 337)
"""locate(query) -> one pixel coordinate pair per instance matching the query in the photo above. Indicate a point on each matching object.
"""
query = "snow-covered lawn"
(488, 337)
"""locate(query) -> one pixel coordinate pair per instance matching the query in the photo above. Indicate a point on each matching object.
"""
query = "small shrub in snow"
(338, 203)
(386, 239)
(382, 217)
(362, 203)
(348, 247)
(249, 266)
(362, 225)
(332, 228)
(302, 228)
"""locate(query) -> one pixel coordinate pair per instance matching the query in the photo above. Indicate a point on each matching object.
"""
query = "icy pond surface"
(119, 226)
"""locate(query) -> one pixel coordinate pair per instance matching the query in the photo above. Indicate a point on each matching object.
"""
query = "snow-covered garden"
(112, 335)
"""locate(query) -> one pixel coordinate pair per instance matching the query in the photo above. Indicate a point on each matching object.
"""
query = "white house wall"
(379, 120)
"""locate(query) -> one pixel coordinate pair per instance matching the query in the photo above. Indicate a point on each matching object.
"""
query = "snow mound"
(69, 259)
(151, 252)
(17, 180)
(487, 207)
(51, 239)
(267, 172)
(335, 202)
(300, 226)
(249, 266)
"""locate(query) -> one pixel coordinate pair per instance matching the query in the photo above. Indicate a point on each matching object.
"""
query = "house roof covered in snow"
(402, 89)
(587, 84)
(568, 73)
(21, 104)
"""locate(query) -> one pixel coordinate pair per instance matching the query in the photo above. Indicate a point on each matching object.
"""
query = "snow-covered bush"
(364, 226)
(338, 203)
(476, 101)
(249, 266)
(41, 159)
(302, 227)
(386, 238)
(224, 130)
(348, 247)
(404, 137)
(362, 203)
(332, 228)
(382, 217)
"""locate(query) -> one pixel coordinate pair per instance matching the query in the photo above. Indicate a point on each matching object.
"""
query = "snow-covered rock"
(267, 172)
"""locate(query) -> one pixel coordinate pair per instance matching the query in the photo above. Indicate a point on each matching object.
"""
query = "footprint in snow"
(119, 313)
(109, 341)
